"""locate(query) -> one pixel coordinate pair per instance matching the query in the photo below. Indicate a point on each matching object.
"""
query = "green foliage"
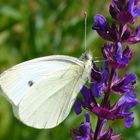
(30, 29)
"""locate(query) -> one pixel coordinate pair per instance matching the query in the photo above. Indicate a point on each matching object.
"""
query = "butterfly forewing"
(16, 81)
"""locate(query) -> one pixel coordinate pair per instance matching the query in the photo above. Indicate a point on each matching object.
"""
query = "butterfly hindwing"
(49, 102)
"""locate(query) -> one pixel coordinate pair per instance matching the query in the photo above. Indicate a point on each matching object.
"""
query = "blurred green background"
(35, 28)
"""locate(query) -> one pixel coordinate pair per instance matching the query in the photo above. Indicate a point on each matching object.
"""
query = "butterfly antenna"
(100, 60)
(85, 15)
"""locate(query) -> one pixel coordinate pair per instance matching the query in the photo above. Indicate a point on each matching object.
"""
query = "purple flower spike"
(115, 56)
(105, 80)
(84, 132)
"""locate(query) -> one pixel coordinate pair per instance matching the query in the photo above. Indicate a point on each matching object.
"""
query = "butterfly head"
(86, 56)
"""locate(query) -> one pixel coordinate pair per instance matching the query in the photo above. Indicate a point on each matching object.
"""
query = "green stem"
(98, 128)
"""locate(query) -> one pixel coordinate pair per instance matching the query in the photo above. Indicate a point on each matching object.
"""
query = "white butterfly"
(43, 90)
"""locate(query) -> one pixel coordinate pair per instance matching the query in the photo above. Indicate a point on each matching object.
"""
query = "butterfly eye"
(86, 56)
(30, 83)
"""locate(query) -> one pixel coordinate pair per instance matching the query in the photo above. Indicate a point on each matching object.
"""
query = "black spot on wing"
(30, 83)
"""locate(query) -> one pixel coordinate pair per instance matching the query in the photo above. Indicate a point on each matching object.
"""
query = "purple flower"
(119, 11)
(98, 80)
(84, 132)
(125, 11)
(131, 37)
(123, 106)
(108, 135)
(100, 22)
(125, 84)
(124, 35)
(88, 101)
(106, 31)
(90, 104)
(115, 56)
(134, 8)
